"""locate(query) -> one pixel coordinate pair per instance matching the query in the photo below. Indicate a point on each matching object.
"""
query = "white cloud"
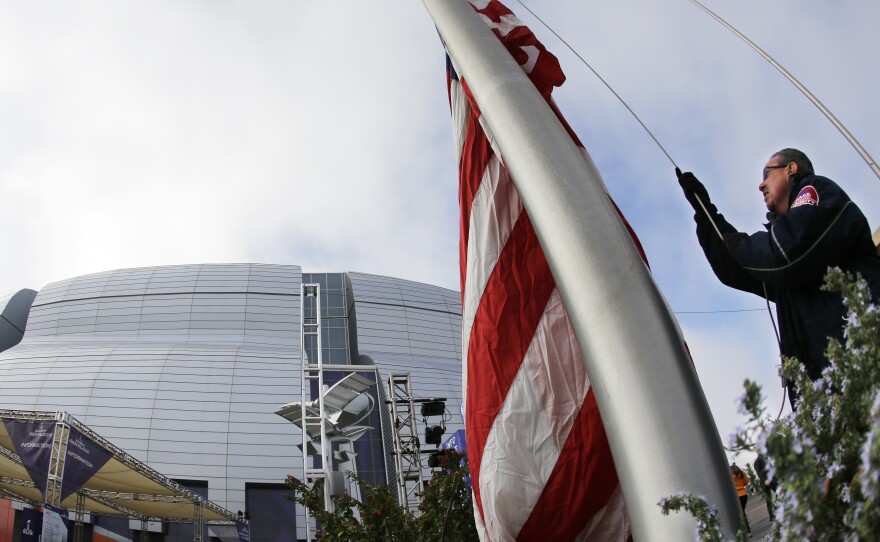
(150, 133)
(727, 349)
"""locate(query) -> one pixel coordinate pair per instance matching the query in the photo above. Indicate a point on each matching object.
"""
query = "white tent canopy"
(123, 486)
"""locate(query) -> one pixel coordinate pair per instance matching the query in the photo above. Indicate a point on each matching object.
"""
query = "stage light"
(433, 408)
(434, 434)
(435, 459)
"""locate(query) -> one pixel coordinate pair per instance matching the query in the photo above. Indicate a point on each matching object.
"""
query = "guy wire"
(587, 64)
(819, 105)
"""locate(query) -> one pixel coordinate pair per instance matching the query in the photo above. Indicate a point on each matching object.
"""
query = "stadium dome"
(184, 367)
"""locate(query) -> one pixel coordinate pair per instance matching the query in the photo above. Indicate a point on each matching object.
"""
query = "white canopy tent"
(122, 487)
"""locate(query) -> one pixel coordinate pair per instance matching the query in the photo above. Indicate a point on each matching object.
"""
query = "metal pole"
(198, 520)
(80, 512)
(56, 460)
(659, 426)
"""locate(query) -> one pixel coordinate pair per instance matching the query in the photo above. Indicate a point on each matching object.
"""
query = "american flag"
(538, 454)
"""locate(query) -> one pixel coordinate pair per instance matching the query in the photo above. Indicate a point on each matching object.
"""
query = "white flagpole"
(661, 432)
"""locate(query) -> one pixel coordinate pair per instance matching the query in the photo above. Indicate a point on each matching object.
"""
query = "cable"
(717, 312)
(621, 100)
(779, 344)
(782, 406)
(706, 211)
(616, 95)
(819, 105)
(772, 320)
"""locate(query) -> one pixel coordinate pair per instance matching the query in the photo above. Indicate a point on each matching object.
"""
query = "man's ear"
(793, 168)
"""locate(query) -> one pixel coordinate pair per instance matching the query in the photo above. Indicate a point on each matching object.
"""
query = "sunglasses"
(767, 168)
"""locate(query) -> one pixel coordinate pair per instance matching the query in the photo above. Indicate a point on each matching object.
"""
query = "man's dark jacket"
(788, 262)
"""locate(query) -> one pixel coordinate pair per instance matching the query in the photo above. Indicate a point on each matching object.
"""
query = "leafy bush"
(446, 510)
(826, 454)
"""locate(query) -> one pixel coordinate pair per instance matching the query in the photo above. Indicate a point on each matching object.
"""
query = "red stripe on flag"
(596, 479)
(538, 63)
(510, 309)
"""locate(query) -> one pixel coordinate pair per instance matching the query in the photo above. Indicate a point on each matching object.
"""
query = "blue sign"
(244, 531)
(456, 442)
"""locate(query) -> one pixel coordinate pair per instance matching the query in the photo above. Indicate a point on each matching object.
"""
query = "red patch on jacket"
(807, 196)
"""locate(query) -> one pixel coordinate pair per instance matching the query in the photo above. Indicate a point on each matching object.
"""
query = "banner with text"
(33, 444)
(244, 531)
(84, 458)
(32, 525)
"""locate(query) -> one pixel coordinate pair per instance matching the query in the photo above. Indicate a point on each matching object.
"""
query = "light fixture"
(436, 458)
(434, 434)
(433, 408)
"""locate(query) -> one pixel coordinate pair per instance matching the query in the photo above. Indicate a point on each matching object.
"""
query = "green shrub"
(446, 512)
(826, 455)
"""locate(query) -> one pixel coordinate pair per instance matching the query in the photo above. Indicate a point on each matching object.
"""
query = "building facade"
(184, 367)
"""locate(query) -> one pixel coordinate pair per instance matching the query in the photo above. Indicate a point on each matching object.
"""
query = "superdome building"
(184, 368)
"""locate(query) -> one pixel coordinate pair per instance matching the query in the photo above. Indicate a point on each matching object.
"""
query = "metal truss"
(56, 461)
(10, 455)
(407, 449)
(313, 423)
(16, 496)
(28, 414)
(64, 422)
(199, 521)
(16, 482)
(80, 515)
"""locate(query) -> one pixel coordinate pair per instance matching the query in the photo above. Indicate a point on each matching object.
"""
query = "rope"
(816, 102)
(622, 101)
(616, 95)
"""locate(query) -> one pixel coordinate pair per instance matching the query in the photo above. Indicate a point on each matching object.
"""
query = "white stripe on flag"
(533, 424)
(461, 110)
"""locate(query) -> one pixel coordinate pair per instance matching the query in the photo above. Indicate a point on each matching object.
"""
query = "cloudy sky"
(318, 133)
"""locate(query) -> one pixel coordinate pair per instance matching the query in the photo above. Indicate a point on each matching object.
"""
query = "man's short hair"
(805, 167)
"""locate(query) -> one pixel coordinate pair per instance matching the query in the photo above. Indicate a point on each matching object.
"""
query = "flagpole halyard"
(604, 82)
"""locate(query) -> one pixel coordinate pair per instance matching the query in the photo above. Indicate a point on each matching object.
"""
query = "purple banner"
(456, 442)
(33, 444)
(244, 531)
(32, 525)
(84, 458)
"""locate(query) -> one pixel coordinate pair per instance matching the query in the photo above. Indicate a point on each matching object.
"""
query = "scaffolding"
(315, 446)
(124, 487)
(407, 448)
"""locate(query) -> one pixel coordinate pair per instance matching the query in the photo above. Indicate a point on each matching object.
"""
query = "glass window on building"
(273, 518)
(334, 296)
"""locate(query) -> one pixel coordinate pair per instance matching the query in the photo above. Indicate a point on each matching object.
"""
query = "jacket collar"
(795, 183)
